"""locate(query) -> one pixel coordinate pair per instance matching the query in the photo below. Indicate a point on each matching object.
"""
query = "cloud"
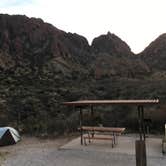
(12, 3)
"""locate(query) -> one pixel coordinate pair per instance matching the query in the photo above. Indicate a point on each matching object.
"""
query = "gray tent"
(8, 136)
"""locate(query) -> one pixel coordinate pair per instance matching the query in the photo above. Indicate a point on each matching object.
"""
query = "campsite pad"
(37, 152)
(126, 145)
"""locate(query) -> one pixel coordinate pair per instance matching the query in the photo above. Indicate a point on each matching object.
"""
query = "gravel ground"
(34, 152)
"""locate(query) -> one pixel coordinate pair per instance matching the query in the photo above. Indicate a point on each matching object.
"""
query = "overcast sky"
(137, 22)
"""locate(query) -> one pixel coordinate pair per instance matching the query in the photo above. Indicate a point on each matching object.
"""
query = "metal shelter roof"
(111, 102)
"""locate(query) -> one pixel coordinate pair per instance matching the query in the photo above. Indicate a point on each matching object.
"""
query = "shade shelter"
(140, 145)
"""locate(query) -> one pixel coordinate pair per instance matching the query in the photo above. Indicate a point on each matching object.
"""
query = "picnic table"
(108, 133)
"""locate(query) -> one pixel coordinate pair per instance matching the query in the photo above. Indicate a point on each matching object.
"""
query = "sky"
(137, 22)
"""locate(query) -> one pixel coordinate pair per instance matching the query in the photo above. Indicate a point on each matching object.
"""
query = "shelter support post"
(140, 153)
(81, 131)
(92, 115)
(141, 122)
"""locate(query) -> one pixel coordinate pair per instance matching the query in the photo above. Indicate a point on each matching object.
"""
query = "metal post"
(143, 124)
(81, 131)
(92, 115)
(140, 145)
(140, 122)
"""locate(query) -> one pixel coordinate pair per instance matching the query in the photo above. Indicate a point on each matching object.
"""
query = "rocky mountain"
(30, 41)
(111, 44)
(42, 66)
(113, 57)
(155, 54)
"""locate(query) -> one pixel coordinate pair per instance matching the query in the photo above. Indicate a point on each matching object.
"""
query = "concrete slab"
(126, 145)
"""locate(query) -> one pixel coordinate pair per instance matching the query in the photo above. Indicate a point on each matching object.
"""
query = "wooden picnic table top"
(104, 129)
(111, 102)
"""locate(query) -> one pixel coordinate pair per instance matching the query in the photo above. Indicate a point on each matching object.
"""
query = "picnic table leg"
(89, 136)
(114, 138)
(81, 131)
(85, 141)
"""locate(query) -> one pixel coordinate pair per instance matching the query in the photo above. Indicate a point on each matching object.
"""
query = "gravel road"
(34, 152)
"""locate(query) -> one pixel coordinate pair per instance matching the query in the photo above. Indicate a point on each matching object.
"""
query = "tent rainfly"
(8, 136)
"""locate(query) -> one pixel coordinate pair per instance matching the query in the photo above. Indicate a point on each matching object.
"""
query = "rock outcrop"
(155, 54)
(111, 44)
(113, 57)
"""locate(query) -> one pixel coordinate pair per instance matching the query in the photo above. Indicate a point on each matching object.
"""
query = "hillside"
(155, 54)
(42, 66)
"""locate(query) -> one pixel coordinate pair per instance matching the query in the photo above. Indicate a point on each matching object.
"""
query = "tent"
(8, 136)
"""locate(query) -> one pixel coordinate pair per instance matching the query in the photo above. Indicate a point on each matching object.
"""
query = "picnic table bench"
(108, 133)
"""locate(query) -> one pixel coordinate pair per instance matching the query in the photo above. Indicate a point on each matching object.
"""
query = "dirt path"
(28, 148)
